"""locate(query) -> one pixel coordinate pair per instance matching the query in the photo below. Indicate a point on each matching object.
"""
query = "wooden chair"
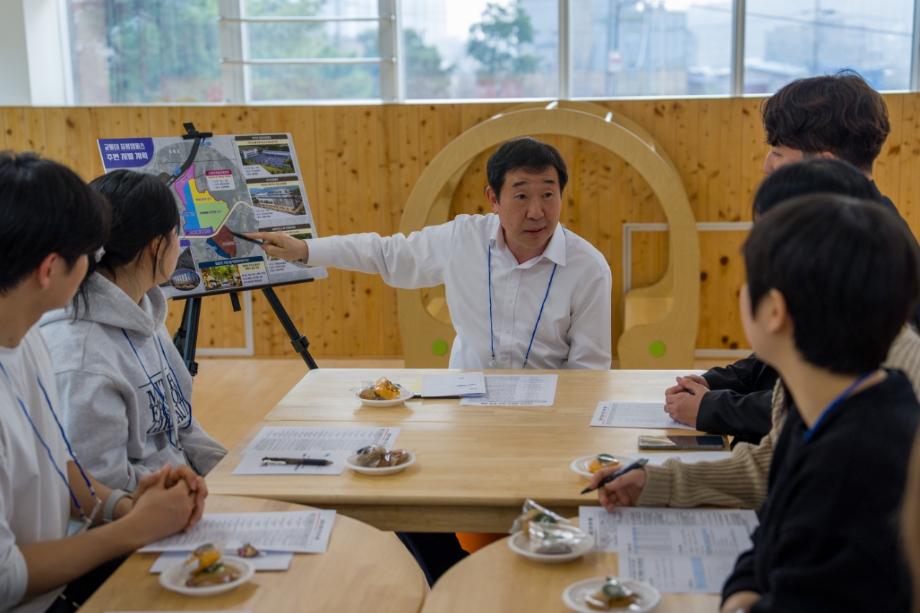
(660, 320)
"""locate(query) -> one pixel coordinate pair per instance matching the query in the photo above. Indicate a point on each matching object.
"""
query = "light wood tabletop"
(363, 569)
(495, 579)
(475, 465)
(329, 395)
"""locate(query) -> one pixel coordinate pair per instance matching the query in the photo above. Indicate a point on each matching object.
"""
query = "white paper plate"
(574, 595)
(517, 542)
(579, 466)
(386, 470)
(174, 578)
(404, 395)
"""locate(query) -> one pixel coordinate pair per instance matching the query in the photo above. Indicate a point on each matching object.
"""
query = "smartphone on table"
(704, 442)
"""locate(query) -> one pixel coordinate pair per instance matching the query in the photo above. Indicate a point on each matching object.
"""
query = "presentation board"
(234, 184)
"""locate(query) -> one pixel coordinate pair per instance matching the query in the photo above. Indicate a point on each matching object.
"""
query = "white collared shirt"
(574, 330)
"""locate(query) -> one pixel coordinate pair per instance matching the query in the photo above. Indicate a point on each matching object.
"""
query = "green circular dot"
(439, 347)
(657, 349)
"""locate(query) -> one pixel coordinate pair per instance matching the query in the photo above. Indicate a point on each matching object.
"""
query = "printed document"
(455, 385)
(634, 415)
(676, 550)
(287, 531)
(516, 390)
(333, 444)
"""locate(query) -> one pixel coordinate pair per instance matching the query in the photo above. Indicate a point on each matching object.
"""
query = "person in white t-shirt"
(523, 292)
(50, 224)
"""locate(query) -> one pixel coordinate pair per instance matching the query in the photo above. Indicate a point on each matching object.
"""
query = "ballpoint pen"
(257, 241)
(296, 461)
(637, 464)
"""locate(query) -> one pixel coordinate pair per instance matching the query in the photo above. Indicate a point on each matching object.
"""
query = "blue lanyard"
(539, 315)
(835, 403)
(89, 486)
(156, 390)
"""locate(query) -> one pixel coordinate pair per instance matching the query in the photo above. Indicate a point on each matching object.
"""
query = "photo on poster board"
(235, 184)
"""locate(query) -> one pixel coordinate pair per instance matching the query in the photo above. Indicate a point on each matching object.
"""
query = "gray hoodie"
(124, 390)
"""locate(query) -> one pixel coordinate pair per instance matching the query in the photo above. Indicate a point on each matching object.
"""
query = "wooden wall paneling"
(725, 167)
(887, 169)
(753, 147)
(721, 274)
(908, 160)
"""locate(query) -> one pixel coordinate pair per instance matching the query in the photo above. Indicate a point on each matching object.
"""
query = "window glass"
(650, 47)
(135, 51)
(480, 49)
(789, 39)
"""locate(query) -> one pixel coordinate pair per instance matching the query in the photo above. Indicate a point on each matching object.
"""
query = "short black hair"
(813, 176)
(527, 153)
(848, 271)
(838, 113)
(45, 208)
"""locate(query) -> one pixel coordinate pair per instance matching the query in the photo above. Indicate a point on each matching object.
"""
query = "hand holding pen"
(619, 487)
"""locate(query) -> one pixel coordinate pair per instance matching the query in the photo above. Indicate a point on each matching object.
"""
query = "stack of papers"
(517, 390)
(676, 550)
(277, 535)
(634, 415)
(333, 444)
(453, 385)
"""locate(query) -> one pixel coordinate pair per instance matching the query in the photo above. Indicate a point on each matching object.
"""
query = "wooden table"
(363, 569)
(495, 579)
(475, 465)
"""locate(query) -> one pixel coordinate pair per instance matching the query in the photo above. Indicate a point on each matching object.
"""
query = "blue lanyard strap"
(156, 390)
(533, 334)
(41, 440)
(834, 404)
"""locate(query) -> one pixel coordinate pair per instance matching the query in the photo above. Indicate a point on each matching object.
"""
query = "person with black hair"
(523, 292)
(126, 391)
(833, 117)
(741, 479)
(735, 400)
(51, 225)
(830, 282)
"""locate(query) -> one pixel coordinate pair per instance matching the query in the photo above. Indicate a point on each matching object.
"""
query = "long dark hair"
(143, 210)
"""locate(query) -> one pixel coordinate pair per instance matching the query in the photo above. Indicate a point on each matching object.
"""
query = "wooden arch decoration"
(660, 320)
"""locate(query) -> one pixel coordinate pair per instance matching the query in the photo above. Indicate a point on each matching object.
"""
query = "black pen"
(257, 241)
(297, 461)
(637, 464)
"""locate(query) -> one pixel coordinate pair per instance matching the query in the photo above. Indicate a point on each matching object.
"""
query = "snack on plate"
(547, 532)
(248, 551)
(377, 456)
(383, 389)
(611, 595)
(211, 570)
(602, 460)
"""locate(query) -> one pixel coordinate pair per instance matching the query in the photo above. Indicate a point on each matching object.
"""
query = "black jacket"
(739, 400)
(828, 534)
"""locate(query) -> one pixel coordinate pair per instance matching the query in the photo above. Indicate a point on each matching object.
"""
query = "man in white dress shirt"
(523, 292)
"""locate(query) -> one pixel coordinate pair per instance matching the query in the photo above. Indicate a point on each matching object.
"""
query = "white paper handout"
(288, 531)
(634, 415)
(516, 390)
(333, 444)
(676, 550)
(266, 561)
(453, 385)
(679, 574)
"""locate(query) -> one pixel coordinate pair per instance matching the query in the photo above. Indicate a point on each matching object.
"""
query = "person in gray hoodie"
(126, 393)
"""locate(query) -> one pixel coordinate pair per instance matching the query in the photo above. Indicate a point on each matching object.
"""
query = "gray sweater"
(124, 390)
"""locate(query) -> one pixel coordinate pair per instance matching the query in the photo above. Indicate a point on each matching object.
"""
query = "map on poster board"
(235, 184)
